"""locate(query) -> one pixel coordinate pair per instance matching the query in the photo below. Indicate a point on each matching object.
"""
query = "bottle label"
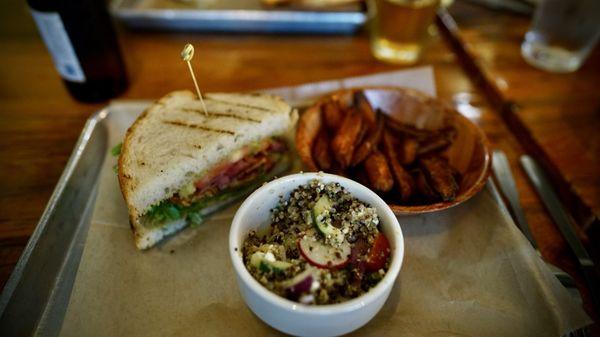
(57, 41)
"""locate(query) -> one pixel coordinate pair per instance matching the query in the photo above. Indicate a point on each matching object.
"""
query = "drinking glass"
(562, 34)
(399, 28)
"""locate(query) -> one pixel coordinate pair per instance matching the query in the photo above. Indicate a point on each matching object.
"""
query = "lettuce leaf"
(116, 150)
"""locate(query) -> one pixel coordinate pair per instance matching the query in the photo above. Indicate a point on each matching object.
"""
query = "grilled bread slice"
(173, 143)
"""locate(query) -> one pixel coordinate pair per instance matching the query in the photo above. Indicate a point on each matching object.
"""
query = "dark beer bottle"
(82, 42)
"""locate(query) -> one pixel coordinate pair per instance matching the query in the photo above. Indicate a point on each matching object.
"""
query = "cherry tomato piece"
(379, 253)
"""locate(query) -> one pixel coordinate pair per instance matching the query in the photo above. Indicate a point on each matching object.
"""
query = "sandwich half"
(178, 165)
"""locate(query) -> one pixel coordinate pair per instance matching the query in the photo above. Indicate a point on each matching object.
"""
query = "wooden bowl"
(469, 153)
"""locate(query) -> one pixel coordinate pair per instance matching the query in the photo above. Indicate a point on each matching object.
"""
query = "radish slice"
(324, 256)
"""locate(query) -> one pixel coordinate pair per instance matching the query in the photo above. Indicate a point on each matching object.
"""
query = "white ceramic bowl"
(295, 318)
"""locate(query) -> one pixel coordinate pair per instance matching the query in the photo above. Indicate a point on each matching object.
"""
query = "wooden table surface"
(557, 114)
(40, 122)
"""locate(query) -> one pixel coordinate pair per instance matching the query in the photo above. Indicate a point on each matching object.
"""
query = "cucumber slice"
(322, 205)
(322, 221)
(256, 259)
(274, 266)
(267, 263)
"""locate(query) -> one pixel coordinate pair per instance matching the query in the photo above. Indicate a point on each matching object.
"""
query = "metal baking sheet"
(235, 16)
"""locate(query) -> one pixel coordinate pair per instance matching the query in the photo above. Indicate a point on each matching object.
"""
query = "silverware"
(508, 187)
(505, 179)
(564, 223)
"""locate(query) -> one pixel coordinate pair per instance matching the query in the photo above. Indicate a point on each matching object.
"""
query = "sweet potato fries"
(347, 135)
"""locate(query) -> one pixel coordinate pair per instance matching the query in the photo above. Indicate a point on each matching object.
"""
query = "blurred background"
(525, 71)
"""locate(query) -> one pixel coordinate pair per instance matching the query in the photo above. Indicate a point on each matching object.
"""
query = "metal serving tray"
(234, 16)
(36, 297)
(37, 293)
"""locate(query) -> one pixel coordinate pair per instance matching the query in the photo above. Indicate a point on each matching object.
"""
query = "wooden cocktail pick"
(186, 54)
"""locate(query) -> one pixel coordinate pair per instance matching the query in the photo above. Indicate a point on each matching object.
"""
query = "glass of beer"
(399, 28)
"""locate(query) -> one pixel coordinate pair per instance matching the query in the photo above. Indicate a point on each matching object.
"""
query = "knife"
(508, 187)
(563, 222)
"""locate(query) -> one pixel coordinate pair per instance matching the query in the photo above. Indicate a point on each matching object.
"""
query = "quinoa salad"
(323, 246)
